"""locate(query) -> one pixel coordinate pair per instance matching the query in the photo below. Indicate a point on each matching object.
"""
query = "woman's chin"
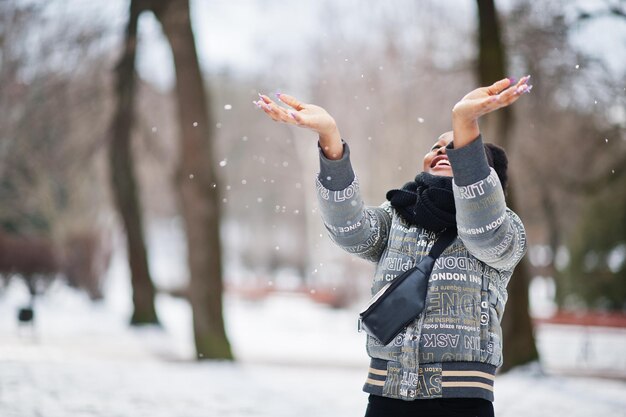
(442, 172)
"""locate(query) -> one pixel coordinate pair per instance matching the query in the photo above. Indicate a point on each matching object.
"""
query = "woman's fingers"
(497, 87)
(507, 86)
(290, 101)
(275, 112)
(278, 113)
(285, 98)
(502, 99)
(484, 100)
(512, 93)
(523, 81)
(268, 107)
(264, 102)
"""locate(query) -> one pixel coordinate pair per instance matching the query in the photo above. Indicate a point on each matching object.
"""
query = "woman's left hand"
(482, 101)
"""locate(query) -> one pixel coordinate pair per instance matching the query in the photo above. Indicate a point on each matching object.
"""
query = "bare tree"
(197, 183)
(123, 180)
(558, 121)
(518, 338)
(50, 176)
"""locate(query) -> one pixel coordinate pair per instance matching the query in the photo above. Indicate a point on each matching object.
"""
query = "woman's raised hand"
(308, 116)
(482, 101)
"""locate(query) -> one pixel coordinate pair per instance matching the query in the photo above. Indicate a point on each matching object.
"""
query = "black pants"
(442, 407)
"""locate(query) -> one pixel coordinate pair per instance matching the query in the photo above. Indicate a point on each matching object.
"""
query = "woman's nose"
(441, 150)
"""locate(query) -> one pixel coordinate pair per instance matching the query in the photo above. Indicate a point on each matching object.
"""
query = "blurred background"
(153, 220)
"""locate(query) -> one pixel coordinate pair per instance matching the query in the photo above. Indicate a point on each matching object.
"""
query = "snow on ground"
(296, 358)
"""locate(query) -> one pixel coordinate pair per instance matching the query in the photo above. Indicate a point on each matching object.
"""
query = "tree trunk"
(123, 178)
(517, 329)
(491, 68)
(197, 182)
(518, 338)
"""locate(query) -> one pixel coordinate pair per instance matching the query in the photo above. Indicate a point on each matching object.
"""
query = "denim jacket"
(455, 346)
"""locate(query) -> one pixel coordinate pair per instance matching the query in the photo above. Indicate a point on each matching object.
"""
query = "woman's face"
(436, 161)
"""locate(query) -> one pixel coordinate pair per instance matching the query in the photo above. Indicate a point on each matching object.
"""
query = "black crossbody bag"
(402, 300)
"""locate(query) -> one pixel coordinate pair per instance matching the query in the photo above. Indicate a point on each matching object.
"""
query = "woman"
(444, 362)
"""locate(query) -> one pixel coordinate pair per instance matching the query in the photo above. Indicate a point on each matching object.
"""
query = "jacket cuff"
(336, 175)
(469, 163)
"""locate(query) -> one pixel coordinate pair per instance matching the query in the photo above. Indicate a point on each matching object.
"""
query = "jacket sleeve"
(357, 229)
(489, 229)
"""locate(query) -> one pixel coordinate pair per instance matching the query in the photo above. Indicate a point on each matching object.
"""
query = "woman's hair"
(496, 157)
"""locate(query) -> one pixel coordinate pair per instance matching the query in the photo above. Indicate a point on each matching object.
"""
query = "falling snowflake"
(420, 120)
(195, 124)
(227, 107)
(223, 163)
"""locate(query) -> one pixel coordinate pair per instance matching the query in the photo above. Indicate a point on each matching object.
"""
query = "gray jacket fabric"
(455, 346)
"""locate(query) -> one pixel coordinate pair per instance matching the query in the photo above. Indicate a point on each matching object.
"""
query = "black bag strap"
(444, 240)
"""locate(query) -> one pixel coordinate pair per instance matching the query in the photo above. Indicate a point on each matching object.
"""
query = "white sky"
(243, 35)
(231, 35)
(239, 35)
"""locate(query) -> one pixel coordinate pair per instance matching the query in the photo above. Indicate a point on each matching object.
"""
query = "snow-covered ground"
(295, 358)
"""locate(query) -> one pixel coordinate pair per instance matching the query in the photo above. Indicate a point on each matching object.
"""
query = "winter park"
(335, 208)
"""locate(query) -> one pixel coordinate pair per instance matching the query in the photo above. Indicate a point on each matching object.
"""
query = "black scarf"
(427, 202)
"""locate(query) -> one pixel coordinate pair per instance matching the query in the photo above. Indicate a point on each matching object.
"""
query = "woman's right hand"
(308, 116)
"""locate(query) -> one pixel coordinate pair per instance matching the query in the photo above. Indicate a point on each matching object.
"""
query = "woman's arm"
(490, 231)
(357, 229)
